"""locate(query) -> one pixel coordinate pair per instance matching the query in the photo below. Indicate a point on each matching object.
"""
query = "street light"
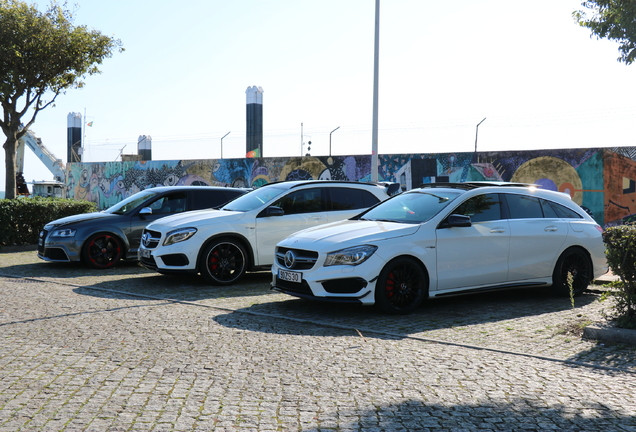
(476, 132)
(330, 139)
(222, 143)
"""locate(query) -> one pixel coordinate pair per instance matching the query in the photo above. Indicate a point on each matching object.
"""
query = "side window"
(204, 199)
(169, 204)
(302, 201)
(524, 207)
(563, 212)
(481, 208)
(351, 199)
(548, 210)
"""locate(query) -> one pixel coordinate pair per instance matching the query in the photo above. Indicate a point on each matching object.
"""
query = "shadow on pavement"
(510, 415)
(434, 314)
(71, 270)
(182, 288)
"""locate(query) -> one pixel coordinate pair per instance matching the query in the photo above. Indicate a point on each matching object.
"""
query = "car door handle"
(497, 230)
(551, 228)
(314, 218)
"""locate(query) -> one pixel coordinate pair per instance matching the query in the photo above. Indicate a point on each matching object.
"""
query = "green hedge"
(21, 220)
(621, 258)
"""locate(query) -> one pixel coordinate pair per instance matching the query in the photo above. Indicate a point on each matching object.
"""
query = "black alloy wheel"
(102, 251)
(223, 262)
(572, 273)
(401, 287)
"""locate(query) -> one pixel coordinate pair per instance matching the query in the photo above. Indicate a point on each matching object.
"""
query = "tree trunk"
(10, 147)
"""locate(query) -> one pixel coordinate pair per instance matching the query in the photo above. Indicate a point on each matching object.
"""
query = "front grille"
(302, 259)
(56, 254)
(150, 239)
(300, 288)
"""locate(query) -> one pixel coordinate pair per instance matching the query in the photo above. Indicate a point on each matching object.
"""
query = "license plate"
(290, 276)
(144, 253)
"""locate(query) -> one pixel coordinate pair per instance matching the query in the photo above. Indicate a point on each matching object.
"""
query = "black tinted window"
(481, 208)
(351, 199)
(524, 207)
(168, 204)
(302, 201)
(564, 212)
(212, 198)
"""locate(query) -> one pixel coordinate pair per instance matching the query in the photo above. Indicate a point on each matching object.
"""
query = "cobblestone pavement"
(128, 349)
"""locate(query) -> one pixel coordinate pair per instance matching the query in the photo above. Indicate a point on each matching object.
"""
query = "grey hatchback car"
(101, 239)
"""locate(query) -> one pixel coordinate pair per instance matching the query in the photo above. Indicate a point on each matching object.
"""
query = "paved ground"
(131, 350)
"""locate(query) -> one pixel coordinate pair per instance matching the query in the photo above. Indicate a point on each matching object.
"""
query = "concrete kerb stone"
(21, 248)
(607, 334)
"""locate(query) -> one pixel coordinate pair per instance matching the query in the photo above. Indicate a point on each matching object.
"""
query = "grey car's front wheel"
(572, 273)
(223, 262)
(102, 251)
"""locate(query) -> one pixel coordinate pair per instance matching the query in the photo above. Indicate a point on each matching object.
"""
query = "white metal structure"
(53, 164)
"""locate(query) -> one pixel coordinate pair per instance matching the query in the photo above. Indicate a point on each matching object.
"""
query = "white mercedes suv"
(441, 240)
(223, 244)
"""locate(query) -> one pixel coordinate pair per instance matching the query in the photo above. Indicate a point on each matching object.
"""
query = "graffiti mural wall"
(601, 180)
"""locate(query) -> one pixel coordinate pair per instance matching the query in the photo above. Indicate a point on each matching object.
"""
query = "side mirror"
(145, 211)
(272, 211)
(458, 221)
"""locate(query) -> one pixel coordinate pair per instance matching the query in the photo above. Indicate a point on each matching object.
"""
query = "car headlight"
(350, 256)
(179, 235)
(64, 232)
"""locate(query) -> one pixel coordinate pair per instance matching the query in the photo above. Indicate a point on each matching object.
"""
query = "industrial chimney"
(144, 147)
(254, 133)
(74, 137)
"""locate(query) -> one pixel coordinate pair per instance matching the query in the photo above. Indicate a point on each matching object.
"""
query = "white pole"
(222, 143)
(376, 62)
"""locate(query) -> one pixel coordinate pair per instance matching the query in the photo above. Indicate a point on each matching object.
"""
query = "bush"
(621, 258)
(21, 220)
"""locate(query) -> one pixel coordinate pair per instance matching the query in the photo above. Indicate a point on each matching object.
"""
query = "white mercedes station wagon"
(445, 239)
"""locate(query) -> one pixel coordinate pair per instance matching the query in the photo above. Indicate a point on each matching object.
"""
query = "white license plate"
(290, 276)
(145, 253)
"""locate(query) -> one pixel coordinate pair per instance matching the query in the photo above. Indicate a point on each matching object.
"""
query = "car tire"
(574, 262)
(102, 251)
(401, 287)
(223, 262)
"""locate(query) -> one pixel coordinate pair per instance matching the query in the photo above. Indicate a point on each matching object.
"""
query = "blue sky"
(538, 79)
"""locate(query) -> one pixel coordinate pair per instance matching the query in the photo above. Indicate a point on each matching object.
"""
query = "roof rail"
(476, 184)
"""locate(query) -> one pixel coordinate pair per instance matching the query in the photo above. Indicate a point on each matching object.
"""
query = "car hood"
(348, 231)
(195, 218)
(84, 217)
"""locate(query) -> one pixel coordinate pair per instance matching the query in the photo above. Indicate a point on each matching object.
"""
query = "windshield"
(255, 199)
(411, 208)
(131, 203)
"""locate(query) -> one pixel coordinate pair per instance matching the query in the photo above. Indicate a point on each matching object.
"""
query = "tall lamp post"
(476, 132)
(222, 143)
(330, 139)
(376, 68)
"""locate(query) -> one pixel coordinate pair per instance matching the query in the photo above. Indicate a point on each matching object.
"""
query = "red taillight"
(599, 228)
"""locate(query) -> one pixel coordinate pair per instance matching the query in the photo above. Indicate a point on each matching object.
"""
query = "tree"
(614, 20)
(41, 56)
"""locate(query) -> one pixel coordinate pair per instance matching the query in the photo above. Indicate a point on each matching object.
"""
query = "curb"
(22, 248)
(610, 334)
